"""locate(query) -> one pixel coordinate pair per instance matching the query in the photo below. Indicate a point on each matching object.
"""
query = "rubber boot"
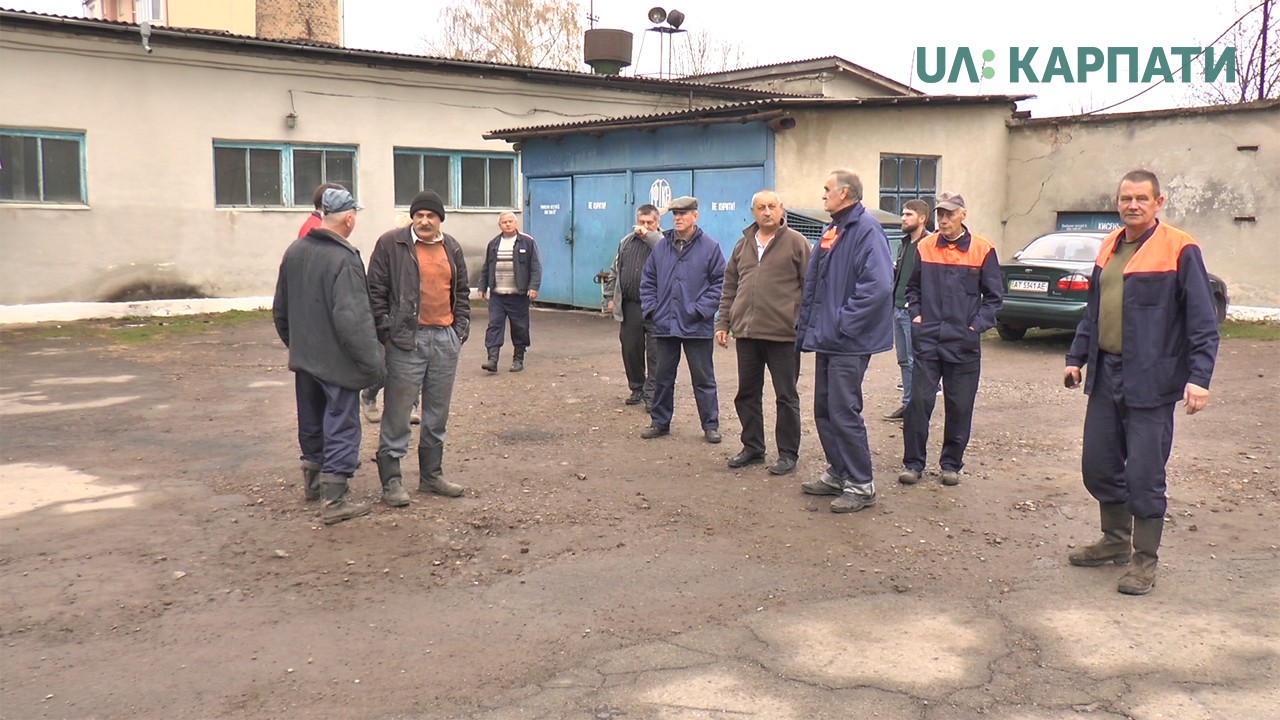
(517, 362)
(1146, 544)
(491, 365)
(310, 481)
(1117, 528)
(431, 474)
(393, 492)
(336, 508)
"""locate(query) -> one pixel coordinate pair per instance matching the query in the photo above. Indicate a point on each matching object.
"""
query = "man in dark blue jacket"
(510, 277)
(322, 314)
(1150, 337)
(680, 293)
(952, 296)
(846, 316)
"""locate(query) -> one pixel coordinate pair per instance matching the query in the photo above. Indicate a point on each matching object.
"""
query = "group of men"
(844, 299)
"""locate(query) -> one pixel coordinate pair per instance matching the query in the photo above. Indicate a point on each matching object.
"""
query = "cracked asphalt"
(158, 560)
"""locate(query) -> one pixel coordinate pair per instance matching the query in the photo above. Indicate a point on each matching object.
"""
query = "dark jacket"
(761, 296)
(525, 258)
(1170, 323)
(612, 287)
(395, 289)
(321, 311)
(902, 270)
(680, 291)
(847, 307)
(953, 287)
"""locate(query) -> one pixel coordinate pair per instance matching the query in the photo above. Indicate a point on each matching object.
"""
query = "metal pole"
(1262, 63)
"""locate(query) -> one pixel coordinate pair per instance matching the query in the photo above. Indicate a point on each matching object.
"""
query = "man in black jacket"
(322, 315)
(421, 303)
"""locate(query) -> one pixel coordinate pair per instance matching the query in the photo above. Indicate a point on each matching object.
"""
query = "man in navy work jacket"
(322, 314)
(846, 316)
(680, 293)
(513, 273)
(953, 295)
(1150, 337)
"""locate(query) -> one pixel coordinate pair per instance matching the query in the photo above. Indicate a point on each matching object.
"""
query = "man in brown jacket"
(763, 282)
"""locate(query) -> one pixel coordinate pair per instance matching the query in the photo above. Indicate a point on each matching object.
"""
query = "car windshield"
(1062, 246)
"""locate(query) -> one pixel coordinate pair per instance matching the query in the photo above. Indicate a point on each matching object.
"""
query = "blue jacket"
(680, 291)
(955, 289)
(1169, 321)
(847, 308)
(524, 259)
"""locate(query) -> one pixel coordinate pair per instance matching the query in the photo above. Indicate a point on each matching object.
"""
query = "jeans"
(427, 371)
(697, 351)
(328, 424)
(902, 344)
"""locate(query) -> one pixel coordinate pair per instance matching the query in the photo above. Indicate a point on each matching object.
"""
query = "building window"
(903, 178)
(266, 175)
(42, 167)
(464, 180)
(151, 11)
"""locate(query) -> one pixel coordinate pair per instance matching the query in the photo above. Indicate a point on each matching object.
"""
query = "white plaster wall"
(1207, 180)
(150, 122)
(971, 142)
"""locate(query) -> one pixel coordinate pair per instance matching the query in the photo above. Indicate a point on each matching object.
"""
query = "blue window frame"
(43, 167)
(463, 179)
(278, 174)
(906, 177)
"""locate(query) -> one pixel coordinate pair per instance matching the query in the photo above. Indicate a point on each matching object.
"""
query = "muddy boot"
(431, 474)
(310, 481)
(1146, 542)
(393, 492)
(1117, 526)
(517, 362)
(491, 365)
(336, 507)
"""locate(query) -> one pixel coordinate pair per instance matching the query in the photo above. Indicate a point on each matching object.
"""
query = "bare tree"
(536, 33)
(702, 53)
(1252, 64)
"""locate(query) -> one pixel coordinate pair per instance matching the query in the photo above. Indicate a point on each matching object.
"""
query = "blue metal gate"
(549, 218)
(724, 202)
(601, 217)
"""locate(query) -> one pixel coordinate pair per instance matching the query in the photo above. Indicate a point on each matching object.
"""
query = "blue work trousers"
(837, 411)
(328, 424)
(697, 352)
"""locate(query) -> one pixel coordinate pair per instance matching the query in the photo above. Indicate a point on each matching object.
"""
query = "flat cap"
(336, 200)
(683, 204)
(949, 201)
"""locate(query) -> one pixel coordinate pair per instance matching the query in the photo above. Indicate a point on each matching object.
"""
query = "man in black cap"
(322, 314)
(680, 293)
(421, 302)
(953, 294)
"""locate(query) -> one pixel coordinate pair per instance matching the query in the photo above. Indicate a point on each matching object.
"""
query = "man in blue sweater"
(846, 316)
(680, 293)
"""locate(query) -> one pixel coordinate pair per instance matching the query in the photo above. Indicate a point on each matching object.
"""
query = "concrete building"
(311, 20)
(184, 168)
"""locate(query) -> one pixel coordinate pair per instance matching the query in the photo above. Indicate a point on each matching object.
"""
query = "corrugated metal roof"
(160, 33)
(744, 109)
(829, 60)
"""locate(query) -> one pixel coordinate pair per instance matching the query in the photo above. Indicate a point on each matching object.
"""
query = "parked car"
(1046, 284)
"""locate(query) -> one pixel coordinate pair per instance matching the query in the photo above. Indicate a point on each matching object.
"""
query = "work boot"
(336, 507)
(369, 409)
(517, 360)
(1146, 542)
(1117, 528)
(909, 476)
(393, 492)
(310, 481)
(855, 498)
(950, 478)
(431, 474)
(828, 484)
(491, 365)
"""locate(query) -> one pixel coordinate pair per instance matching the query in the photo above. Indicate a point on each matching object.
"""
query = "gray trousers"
(427, 371)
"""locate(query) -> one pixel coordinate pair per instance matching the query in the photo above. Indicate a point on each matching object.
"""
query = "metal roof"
(801, 66)
(160, 35)
(755, 110)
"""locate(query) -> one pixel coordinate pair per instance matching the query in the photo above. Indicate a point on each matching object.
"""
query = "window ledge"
(43, 206)
(290, 210)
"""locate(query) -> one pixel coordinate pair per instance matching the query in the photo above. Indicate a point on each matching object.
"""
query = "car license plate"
(1034, 286)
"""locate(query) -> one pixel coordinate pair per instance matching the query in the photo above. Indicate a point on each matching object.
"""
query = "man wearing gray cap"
(953, 295)
(322, 314)
(680, 293)
(421, 301)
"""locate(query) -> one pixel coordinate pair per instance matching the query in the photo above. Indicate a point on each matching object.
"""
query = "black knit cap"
(427, 200)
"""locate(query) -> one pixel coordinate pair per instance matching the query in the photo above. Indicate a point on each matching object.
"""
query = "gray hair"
(774, 193)
(849, 179)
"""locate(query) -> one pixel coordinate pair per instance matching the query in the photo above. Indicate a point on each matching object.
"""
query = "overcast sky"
(880, 36)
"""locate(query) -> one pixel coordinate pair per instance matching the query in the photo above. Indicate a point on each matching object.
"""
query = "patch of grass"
(136, 330)
(1245, 330)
